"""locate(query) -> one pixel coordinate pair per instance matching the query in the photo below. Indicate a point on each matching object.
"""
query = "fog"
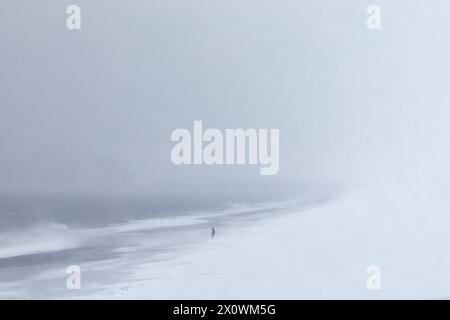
(94, 108)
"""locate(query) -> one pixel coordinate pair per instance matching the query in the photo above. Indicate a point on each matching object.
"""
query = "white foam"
(39, 239)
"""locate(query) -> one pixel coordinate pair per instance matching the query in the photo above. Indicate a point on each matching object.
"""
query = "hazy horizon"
(94, 108)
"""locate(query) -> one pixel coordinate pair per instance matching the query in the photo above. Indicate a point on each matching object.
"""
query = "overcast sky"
(95, 108)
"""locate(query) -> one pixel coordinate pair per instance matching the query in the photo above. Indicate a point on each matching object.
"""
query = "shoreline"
(112, 262)
(323, 252)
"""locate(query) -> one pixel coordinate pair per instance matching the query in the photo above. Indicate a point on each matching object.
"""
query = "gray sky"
(94, 108)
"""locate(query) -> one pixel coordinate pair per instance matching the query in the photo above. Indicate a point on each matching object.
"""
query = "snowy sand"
(322, 251)
(317, 249)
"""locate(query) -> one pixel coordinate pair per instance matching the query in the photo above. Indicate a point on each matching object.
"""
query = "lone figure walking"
(213, 232)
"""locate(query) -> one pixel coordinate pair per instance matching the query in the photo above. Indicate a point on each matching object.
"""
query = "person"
(213, 232)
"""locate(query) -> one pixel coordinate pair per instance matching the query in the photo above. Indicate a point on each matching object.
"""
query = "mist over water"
(93, 110)
(89, 210)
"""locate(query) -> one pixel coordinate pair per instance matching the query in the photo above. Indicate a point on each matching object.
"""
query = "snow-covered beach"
(317, 248)
(320, 250)
(111, 256)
